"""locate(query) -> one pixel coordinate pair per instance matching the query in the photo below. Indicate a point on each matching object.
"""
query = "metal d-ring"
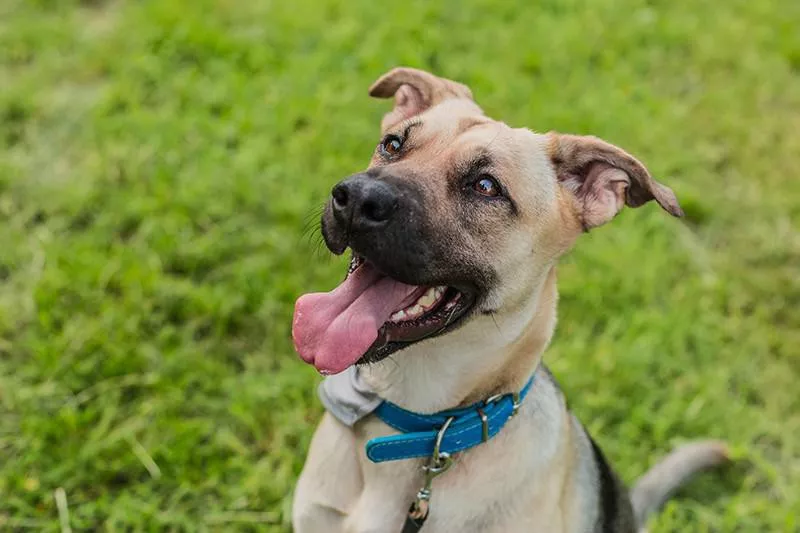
(492, 399)
(438, 456)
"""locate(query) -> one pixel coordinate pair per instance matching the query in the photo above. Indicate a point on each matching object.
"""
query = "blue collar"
(469, 427)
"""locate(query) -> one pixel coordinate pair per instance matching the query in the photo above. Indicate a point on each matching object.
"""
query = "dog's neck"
(492, 354)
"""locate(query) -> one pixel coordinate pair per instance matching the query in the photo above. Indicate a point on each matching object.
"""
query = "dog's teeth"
(427, 299)
(424, 303)
(399, 315)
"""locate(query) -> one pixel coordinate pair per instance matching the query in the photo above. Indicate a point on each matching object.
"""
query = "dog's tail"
(656, 486)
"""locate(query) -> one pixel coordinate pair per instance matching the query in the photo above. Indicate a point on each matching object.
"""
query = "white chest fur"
(519, 481)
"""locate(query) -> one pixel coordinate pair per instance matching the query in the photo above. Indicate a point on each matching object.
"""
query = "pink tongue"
(333, 330)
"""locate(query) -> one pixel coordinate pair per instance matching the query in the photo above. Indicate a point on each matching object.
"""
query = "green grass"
(159, 161)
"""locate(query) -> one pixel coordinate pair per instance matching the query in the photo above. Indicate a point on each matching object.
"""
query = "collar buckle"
(516, 404)
(484, 424)
(515, 396)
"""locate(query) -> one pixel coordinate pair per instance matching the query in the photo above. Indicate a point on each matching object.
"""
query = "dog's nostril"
(377, 210)
(340, 197)
(363, 200)
(372, 211)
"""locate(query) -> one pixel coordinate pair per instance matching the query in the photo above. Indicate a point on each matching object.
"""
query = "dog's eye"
(486, 186)
(391, 145)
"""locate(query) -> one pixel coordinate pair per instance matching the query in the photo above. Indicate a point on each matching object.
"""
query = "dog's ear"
(603, 177)
(414, 91)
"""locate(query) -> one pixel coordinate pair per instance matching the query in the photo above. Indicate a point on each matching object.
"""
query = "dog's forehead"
(455, 117)
(456, 134)
(509, 148)
(463, 122)
(518, 157)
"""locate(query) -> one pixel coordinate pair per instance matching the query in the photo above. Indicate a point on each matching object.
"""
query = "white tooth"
(427, 299)
(399, 315)
(415, 311)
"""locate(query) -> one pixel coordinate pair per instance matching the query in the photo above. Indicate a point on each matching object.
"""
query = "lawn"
(161, 163)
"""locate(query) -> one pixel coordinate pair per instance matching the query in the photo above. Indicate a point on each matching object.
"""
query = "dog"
(455, 230)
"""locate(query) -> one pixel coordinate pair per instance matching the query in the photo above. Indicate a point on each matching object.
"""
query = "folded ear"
(603, 178)
(414, 91)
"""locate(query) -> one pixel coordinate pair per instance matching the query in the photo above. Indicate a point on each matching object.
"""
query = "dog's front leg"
(330, 482)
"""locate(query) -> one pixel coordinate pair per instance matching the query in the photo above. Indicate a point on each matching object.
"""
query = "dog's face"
(456, 216)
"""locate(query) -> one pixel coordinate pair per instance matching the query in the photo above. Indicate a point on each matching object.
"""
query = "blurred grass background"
(161, 159)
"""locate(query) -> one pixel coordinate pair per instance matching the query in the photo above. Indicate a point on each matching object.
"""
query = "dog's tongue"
(333, 330)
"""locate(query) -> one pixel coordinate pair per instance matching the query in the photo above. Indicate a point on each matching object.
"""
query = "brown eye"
(391, 145)
(487, 186)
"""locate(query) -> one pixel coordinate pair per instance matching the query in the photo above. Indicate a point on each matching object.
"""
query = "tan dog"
(456, 229)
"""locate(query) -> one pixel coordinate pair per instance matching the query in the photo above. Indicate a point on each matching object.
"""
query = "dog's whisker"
(393, 360)
(494, 319)
(312, 232)
(490, 143)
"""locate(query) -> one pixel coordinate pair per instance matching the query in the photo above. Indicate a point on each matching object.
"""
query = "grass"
(160, 160)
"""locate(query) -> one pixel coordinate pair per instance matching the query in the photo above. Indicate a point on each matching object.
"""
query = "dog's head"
(456, 216)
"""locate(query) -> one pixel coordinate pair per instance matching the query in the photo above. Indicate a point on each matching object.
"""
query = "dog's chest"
(505, 500)
(505, 486)
(471, 501)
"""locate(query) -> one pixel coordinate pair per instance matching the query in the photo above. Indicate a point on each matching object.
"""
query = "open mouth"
(431, 311)
(370, 316)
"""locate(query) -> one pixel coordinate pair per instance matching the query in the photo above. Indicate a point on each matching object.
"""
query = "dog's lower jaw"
(489, 354)
(451, 317)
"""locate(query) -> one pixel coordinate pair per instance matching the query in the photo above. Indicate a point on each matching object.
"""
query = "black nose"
(362, 202)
